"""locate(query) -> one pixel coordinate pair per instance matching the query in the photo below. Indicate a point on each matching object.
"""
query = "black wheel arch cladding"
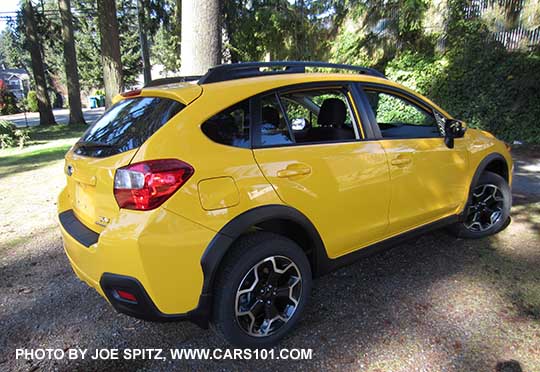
(489, 160)
(220, 244)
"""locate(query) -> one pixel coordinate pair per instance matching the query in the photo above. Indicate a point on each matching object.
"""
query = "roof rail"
(171, 80)
(242, 70)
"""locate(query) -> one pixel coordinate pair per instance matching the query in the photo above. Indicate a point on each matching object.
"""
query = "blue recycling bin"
(94, 102)
(101, 101)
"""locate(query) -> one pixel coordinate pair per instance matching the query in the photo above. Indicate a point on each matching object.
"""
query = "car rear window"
(126, 126)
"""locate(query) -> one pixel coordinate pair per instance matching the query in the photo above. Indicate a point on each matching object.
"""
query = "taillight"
(146, 185)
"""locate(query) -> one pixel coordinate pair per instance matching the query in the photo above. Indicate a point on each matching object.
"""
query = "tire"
(485, 215)
(260, 252)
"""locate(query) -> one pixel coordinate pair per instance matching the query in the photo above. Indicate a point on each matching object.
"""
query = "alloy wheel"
(486, 208)
(268, 296)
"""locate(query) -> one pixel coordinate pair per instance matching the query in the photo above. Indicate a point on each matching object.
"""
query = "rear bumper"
(144, 307)
(155, 254)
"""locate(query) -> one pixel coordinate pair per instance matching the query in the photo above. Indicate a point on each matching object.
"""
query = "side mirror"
(453, 129)
(298, 123)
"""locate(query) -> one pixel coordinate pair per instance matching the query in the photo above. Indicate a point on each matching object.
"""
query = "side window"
(322, 115)
(300, 116)
(230, 127)
(401, 118)
(272, 129)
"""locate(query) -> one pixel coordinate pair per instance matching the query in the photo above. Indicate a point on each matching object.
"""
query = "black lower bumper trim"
(144, 308)
(76, 229)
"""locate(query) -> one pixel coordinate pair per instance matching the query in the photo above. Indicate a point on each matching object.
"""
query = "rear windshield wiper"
(94, 144)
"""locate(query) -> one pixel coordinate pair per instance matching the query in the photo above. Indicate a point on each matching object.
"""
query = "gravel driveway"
(433, 304)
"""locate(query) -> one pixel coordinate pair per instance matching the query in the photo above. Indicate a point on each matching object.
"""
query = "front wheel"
(261, 290)
(488, 210)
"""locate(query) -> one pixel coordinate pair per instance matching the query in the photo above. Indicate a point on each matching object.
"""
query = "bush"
(480, 82)
(10, 136)
(32, 101)
(8, 102)
(492, 88)
(417, 71)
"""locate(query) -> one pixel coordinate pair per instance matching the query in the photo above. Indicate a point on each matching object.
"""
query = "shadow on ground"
(434, 303)
(404, 300)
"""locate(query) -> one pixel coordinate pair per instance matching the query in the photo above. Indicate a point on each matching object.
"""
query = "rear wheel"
(488, 210)
(261, 290)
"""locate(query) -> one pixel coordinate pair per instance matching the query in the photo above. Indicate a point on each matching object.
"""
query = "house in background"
(16, 80)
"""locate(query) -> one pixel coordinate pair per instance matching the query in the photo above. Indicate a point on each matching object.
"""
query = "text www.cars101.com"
(242, 354)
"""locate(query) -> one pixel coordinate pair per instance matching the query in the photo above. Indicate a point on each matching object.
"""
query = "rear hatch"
(110, 143)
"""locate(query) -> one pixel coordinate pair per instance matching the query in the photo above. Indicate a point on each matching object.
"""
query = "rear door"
(428, 178)
(110, 143)
(309, 145)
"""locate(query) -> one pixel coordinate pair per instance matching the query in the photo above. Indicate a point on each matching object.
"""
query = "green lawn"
(46, 145)
(55, 132)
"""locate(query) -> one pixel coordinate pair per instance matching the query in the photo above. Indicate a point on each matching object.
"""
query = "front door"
(427, 177)
(309, 146)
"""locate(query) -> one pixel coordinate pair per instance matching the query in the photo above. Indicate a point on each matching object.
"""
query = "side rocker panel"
(321, 263)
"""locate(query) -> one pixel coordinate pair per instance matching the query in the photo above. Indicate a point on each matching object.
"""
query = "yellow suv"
(218, 198)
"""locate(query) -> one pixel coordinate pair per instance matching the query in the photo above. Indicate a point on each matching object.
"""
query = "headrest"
(333, 113)
(270, 115)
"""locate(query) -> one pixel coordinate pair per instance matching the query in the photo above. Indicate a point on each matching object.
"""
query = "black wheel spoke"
(257, 308)
(283, 292)
(270, 310)
(273, 278)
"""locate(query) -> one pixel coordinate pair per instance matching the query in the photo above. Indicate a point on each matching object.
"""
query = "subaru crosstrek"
(219, 198)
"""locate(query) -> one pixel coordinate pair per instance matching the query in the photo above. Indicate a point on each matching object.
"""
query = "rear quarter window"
(230, 127)
(127, 125)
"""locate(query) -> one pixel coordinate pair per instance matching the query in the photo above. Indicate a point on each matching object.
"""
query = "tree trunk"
(201, 36)
(147, 69)
(46, 116)
(70, 62)
(178, 20)
(110, 49)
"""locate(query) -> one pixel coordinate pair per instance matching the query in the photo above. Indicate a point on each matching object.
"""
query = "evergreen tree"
(110, 49)
(278, 29)
(143, 38)
(33, 45)
(165, 34)
(12, 54)
(70, 63)
(87, 44)
(130, 49)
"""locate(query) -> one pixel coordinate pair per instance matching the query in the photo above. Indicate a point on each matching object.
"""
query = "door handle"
(401, 161)
(291, 172)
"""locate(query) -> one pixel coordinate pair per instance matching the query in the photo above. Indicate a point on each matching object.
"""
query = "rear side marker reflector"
(147, 185)
(126, 295)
